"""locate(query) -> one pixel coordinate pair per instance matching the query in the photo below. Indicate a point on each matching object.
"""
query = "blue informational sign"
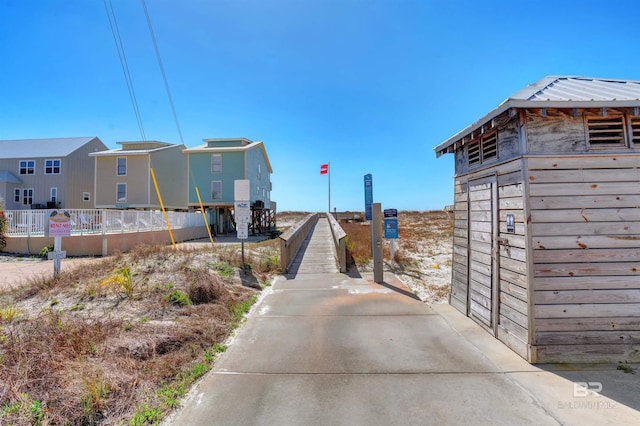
(391, 224)
(368, 196)
(391, 229)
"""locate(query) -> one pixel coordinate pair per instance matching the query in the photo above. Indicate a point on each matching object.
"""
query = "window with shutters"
(606, 132)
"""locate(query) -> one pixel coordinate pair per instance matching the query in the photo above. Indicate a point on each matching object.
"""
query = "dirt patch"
(121, 338)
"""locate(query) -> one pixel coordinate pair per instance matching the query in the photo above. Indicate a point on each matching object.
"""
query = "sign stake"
(57, 245)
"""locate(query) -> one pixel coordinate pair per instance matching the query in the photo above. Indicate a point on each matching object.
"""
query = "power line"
(164, 76)
(115, 31)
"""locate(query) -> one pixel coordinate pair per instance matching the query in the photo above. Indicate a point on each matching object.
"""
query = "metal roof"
(561, 92)
(8, 177)
(238, 148)
(150, 147)
(39, 148)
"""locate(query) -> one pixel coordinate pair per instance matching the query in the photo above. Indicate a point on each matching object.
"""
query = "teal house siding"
(241, 158)
(200, 169)
(259, 176)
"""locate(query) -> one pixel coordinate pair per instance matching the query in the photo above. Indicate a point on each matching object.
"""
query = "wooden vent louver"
(635, 130)
(606, 132)
(489, 147)
(474, 153)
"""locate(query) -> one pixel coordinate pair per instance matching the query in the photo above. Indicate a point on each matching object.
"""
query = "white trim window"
(52, 167)
(216, 163)
(121, 193)
(27, 167)
(54, 194)
(27, 196)
(121, 168)
(216, 190)
(16, 195)
(86, 196)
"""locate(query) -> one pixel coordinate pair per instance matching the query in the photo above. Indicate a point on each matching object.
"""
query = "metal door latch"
(503, 242)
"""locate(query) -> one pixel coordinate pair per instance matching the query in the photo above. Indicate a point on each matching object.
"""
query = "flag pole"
(329, 211)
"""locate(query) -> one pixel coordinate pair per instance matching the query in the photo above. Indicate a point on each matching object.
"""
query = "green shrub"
(3, 229)
(179, 298)
(223, 269)
(44, 253)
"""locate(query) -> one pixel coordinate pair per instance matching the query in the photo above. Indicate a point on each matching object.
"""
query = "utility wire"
(164, 76)
(113, 24)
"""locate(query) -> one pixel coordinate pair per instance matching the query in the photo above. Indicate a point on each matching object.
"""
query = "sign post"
(368, 195)
(242, 210)
(59, 226)
(376, 242)
(391, 228)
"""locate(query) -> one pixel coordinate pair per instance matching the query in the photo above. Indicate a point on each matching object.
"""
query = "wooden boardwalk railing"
(292, 239)
(316, 244)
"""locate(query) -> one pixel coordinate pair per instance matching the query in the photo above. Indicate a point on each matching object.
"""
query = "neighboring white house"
(48, 173)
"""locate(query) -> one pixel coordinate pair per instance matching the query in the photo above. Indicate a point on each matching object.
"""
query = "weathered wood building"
(547, 220)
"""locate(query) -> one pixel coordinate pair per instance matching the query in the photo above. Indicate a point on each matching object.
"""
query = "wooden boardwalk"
(317, 255)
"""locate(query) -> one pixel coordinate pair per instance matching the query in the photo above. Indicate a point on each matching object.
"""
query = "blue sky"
(369, 86)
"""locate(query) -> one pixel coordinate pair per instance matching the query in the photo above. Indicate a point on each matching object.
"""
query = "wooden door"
(482, 296)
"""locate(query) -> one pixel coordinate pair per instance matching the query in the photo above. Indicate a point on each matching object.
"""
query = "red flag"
(324, 169)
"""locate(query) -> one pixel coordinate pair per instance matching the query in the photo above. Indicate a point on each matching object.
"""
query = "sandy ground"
(426, 249)
(426, 253)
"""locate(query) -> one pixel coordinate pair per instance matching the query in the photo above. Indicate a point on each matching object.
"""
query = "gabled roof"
(40, 148)
(561, 92)
(136, 148)
(8, 177)
(246, 145)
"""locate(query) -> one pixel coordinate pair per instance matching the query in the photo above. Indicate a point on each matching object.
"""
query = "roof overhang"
(222, 149)
(537, 96)
(8, 177)
(122, 152)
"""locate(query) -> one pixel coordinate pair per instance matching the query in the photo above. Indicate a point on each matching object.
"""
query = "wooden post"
(376, 241)
(57, 245)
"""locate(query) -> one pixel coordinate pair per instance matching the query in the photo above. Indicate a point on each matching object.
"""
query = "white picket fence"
(90, 221)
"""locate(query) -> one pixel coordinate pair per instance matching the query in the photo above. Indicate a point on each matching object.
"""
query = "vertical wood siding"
(480, 242)
(473, 253)
(585, 222)
(513, 326)
(459, 276)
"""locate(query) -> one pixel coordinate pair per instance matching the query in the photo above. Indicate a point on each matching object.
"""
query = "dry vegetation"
(423, 252)
(121, 339)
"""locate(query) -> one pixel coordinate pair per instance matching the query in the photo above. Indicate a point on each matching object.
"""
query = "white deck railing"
(90, 221)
